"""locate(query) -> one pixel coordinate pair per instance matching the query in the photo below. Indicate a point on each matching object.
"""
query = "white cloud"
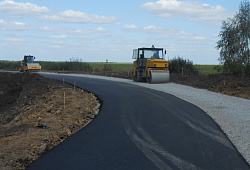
(57, 46)
(71, 16)
(21, 26)
(130, 27)
(192, 38)
(99, 29)
(171, 49)
(14, 26)
(45, 28)
(58, 36)
(80, 31)
(13, 9)
(200, 38)
(15, 40)
(10, 8)
(194, 11)
(58, 42)
(155, 30)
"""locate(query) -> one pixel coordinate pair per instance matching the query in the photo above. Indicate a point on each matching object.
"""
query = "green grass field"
(208, 69)
(82, 66)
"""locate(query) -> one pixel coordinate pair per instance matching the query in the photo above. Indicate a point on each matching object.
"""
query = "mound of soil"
(34, 117)
(221, 83)
(18, 90)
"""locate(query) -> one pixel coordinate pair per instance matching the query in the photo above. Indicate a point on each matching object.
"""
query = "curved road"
(139, 128)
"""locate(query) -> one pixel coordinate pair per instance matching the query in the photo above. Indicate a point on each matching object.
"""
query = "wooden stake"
(64, 100)
(74, 85)
(182, 71)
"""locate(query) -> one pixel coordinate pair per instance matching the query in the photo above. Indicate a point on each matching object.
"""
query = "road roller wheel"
(138, 77)
(134, 78)
(21, 68)
(149, 79)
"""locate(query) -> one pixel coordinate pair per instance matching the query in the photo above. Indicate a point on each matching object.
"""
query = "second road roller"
(150, 65)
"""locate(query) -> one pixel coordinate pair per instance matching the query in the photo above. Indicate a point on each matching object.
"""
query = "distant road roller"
(150, 65)
(28, 65)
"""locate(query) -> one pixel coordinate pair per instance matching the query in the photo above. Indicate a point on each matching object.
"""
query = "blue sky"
(100, 30)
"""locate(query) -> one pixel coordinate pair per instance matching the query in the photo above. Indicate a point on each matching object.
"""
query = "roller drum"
(159, 77)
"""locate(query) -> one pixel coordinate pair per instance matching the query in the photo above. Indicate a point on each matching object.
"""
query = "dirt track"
(33, 119)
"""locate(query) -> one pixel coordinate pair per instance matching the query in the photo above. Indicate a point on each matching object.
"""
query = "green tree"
(234, 42)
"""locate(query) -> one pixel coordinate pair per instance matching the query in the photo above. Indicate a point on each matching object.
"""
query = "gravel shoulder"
(230, 113)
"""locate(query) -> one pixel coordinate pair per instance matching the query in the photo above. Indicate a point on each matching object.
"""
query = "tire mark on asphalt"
(221, 139)
(149, 145)
(208, 131)
(141, 146)
(152, 144)
(216, 132)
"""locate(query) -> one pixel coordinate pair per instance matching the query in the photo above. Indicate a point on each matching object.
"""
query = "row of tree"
(234, 42)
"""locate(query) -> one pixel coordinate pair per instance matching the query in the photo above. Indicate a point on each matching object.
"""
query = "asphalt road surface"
(139, 128)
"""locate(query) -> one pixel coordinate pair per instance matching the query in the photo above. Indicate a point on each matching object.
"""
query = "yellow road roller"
(28, 65)
(150, 65)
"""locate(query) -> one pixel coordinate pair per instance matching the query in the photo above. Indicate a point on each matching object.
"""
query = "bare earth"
(33, 119)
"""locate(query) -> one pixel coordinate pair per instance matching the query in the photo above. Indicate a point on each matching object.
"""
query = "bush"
(176, 65)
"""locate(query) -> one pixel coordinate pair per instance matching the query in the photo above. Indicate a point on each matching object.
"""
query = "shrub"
(176, 65)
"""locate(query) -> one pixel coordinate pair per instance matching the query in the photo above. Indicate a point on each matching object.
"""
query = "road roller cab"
(150, 65)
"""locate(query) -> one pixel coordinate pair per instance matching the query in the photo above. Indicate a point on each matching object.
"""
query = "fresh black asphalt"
(138, 128)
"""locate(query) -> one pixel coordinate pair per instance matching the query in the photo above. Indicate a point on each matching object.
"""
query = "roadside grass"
(208, 69)
(97, 67)
(112, 66)
(66, 66)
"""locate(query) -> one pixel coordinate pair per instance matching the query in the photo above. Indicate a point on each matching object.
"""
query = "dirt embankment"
(220, 83)
(34, 117)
